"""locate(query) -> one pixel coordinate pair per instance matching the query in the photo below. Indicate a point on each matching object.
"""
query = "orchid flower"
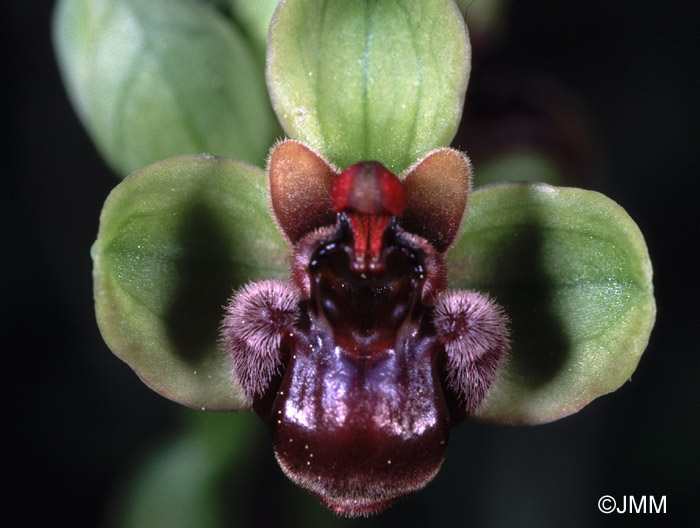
(357, 294)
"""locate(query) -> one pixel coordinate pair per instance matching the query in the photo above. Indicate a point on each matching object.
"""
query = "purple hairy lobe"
(255, 321)
(473, 330)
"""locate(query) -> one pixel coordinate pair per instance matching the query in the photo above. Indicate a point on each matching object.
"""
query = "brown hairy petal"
(300, 183)
(437, 189)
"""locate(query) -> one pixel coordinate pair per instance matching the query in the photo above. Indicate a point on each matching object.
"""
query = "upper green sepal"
(155, 79)
(573, 272)
(368, 80)
(175, 239)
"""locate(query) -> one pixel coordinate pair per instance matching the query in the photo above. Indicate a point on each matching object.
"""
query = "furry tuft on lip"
(255, 320)
(474, 331)
(363, 361)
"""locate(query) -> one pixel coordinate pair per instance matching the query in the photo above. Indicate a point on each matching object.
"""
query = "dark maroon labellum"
(362, 364)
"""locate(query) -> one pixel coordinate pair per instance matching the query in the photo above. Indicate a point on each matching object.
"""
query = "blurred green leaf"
(482, 14)
(368, 80)
(519, 166)
(255, 18)
(573, 272)
(221, 5)
(155, 79)
(175, 239)
(183, 484)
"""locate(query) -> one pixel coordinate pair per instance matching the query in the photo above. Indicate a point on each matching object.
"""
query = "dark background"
(78, 423)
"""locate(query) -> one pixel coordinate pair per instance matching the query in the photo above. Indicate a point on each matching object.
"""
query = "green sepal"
(573, 272)
(151, 80)
(368, 80)
(175, 239)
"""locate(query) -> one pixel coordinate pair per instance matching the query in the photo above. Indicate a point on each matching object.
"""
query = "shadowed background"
(81, 424)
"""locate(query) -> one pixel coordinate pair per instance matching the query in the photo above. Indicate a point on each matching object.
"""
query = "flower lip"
(359, 416)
